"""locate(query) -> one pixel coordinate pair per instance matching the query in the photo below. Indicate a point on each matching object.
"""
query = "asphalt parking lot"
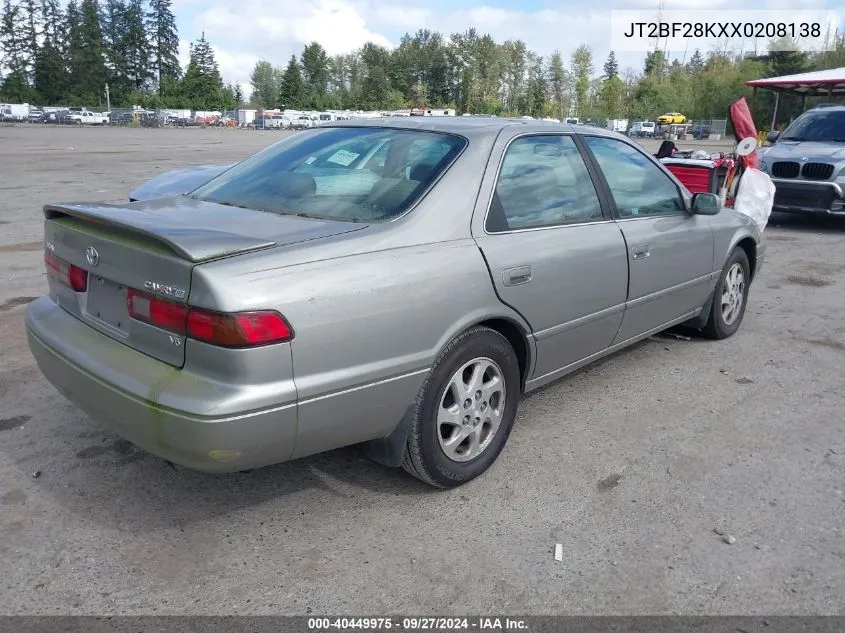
(630, 464)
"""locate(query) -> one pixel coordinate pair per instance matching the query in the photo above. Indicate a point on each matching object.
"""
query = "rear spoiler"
(193, 243)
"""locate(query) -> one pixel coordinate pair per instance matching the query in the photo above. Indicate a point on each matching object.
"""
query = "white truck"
(301, 122)
(642, 129)
(618, 125)
(14, 111)
(271, 121)
(81, 116)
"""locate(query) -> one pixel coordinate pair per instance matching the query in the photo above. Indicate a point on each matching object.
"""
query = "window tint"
(638, 186)
(542, 182)
(358, 174)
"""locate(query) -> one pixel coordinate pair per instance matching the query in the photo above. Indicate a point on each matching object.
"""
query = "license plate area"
(107, 303)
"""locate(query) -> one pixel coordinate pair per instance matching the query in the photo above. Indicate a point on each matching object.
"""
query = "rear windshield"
(355, 173)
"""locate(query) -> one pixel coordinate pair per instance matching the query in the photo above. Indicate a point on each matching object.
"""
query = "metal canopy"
(821, 83)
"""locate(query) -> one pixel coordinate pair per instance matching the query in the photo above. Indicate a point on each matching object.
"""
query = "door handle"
(640, 252)
(516, 276)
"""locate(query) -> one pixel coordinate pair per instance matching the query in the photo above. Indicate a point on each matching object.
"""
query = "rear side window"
(543, 181)
(354, 174)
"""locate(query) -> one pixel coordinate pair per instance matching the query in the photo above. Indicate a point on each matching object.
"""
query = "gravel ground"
(630, 464)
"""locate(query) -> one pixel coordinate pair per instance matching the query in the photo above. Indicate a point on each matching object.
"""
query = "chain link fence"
(697, 129)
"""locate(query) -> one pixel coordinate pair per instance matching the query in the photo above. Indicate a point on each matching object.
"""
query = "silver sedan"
(397, 283)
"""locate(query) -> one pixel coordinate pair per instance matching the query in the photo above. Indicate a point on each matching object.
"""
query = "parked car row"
(650, 129)
(293, 120)
(68, 116)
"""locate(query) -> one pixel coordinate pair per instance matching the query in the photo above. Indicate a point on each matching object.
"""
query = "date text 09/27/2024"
(723, 29)
(417, 624)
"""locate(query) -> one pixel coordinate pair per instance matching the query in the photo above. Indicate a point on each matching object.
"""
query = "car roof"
(471, 126)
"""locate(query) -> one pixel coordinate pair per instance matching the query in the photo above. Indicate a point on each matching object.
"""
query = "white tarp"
(755, 196)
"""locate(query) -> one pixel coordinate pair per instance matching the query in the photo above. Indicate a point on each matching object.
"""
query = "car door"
(670, 250)
(553, 251)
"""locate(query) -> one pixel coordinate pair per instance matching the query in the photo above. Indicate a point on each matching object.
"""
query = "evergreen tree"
(558, 86)
(238, 93)
(53, 22)
(655, 63)
(696, 62)
(375, 84)
(164, 41)
(14, 49)
(75, 48)
(113, 27)
(50, 74)
(582, 68)
(15, 88)
(537, 86)
(51, 71)
(227, 98)
(611, 98)
(265, 85)
(611, 67)
(88, 75)
(32, 26)
(202, 86)
(290, 88)
(135, 47)
(315, 75)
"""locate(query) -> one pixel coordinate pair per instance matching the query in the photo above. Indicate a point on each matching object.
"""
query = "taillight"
(242, 329)
(73, 277)
(167, 315)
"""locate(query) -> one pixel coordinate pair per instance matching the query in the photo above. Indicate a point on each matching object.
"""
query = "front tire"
(465, 410)
(730, 298)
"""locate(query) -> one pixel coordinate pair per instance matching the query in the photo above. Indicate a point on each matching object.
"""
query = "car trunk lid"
(152, 249)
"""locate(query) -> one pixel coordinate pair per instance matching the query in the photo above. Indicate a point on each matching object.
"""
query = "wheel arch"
(518, 339)
(390, 451)
(749, 245)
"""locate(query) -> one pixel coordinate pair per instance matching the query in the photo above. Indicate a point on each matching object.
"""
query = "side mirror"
(772, 136)
(706, 204)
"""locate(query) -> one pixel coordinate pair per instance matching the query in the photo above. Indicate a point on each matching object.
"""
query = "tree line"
(58, 54)
(67, 54)
(471, 72)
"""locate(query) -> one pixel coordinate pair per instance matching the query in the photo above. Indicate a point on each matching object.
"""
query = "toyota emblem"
(92, 256)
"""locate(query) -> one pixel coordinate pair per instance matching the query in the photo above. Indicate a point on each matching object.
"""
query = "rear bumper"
(808, 197)
(126, 392)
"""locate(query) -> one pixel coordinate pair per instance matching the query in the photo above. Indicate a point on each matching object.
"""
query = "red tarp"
(744, 127)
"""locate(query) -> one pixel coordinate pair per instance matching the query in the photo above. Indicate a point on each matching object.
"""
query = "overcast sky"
(244, 31)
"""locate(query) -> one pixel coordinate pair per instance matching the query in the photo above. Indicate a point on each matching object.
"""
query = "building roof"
(820, 83)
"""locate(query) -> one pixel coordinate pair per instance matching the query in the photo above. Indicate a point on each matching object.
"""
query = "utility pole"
(108, 99)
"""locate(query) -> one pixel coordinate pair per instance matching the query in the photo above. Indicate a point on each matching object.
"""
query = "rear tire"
(465, 410)
(730, 297)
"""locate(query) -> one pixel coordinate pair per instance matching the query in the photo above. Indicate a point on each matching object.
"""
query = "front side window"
(353, 173)
(543, 181)
(638, 186)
